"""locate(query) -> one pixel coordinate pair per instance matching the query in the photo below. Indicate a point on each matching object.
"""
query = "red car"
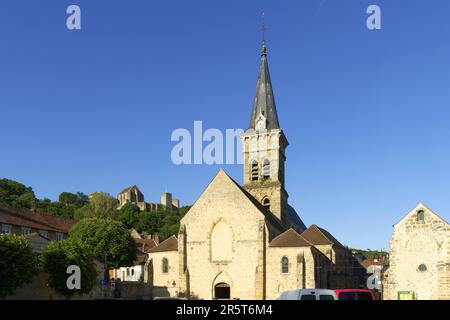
(354, 294)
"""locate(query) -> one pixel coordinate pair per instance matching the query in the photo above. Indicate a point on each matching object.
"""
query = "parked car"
(308, 294)
(355, 294)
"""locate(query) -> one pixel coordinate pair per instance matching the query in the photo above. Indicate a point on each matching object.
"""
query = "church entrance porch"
(222, 291)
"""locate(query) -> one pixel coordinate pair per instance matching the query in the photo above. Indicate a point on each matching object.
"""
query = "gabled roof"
(290, 238)
(170, 244)
(264, 102)
(144, 245)
(273, 220)
(35, 220)
(319, 236)
(130, 188)
(419, 207)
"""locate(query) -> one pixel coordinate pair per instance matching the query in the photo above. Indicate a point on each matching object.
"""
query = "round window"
(422, 268)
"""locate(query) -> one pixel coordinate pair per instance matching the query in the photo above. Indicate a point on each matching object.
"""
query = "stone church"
(419, 258)
(246, 241)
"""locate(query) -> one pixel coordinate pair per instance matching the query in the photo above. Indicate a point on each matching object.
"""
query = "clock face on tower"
(260, 124)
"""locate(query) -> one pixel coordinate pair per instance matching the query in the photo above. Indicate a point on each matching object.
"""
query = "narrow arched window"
(284, 265)
(254, 170)
(165, 265)
(420, 215)
(266, 203)
(266, 169)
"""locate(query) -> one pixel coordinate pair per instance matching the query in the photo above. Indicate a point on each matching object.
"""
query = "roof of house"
(144, 245)
(319, 236)
(367, 263)
(290, 238)
(35, 220)
(170, 244)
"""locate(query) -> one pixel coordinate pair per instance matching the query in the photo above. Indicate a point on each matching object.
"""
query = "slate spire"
(264, 102)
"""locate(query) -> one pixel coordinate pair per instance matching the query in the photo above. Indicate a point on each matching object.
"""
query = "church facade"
(246, 241)
(419, 258)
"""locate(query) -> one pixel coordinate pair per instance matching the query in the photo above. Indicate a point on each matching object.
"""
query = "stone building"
(133, 195)
(246, 241)
(419, 257)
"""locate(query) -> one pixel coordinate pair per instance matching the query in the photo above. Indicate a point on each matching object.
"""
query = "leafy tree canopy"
(370, 254)
(101, 205)
(109, 241)
(163, 222)
(17, 263)
(58, 256)
(129, 215)
(16, 195)
(77, 200)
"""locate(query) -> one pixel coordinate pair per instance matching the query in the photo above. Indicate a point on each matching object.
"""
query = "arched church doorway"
(222, 291)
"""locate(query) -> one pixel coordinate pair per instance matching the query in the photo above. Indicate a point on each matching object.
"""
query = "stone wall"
(419, 257)
(300, 270)
(164, 284)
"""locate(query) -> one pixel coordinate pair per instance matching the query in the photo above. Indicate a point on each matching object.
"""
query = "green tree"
(66, 205)
(16, 195)
(109, 241)
(183, 210)
(55, 208)
(77, 200)
(81, 213)
(170, 224)
(101, 205)
(17, 263)
(58, 255)
(129, 215)
(149, 222)
(164, 222)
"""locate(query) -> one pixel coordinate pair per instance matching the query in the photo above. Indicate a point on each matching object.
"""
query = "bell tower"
(263, 147)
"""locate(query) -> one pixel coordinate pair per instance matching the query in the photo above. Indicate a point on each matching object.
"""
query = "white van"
(308, 294)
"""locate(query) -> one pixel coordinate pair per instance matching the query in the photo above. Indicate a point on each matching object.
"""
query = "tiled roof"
(319, 236)
(290, 238)
(144, 245)
(170, 244)
(367, 263)
(31, 219)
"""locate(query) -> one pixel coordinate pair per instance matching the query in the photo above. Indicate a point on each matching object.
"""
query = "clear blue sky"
(367, 113)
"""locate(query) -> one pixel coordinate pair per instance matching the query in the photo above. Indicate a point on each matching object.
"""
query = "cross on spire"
(263, 31)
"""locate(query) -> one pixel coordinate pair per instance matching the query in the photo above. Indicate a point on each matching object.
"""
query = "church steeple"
(264, 102)
(263, 147)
